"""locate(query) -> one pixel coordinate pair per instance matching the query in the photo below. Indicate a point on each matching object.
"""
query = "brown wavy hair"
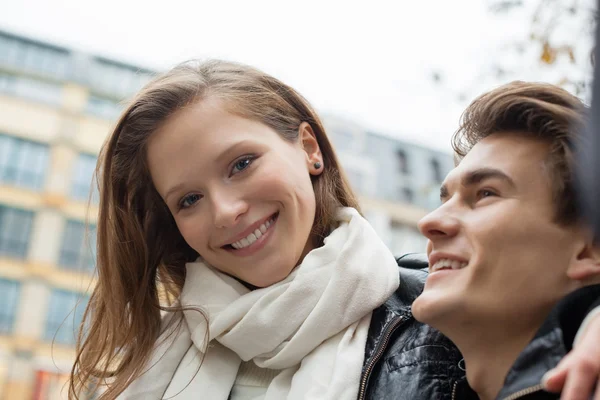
(539, 110)
(141, 255)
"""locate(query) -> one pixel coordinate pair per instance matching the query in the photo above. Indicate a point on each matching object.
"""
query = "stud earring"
(317, 165)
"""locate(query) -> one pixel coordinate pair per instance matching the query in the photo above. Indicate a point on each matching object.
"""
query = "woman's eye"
(189, 201)
(241, 165)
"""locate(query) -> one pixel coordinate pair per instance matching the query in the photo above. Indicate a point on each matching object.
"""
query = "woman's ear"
(310, 145)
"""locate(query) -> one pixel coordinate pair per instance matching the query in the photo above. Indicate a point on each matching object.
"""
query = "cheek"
(194, 232)
(502, 234)
(499, 256)
(517, 262)
(292, 189)
(285, 181)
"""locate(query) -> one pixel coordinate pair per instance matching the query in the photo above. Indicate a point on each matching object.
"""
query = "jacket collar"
(551, 343)
(412, 280)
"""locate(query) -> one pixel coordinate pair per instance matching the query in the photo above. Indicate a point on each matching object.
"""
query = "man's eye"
(485, 193)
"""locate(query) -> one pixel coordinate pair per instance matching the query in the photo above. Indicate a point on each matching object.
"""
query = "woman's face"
(241, 195)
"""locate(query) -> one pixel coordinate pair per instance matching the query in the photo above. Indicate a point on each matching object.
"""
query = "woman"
(234, 263)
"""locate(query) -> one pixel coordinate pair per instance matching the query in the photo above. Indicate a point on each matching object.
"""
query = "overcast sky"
(370, 61)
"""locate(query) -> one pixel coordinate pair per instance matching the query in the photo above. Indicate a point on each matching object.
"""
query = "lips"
(447, 263)
(251, 234)
(254, 236)
(441, 260)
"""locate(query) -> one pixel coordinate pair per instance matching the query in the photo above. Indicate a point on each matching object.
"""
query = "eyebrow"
(226, 154)
(478, 176)
(174, 189)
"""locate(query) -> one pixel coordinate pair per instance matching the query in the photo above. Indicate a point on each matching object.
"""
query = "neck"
(489, 352)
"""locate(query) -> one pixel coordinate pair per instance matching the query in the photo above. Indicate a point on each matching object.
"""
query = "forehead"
(204, 130)
(209, 120)
(520, 157)
(199, 138)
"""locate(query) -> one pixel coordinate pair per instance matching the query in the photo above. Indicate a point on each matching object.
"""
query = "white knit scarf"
(312, 326)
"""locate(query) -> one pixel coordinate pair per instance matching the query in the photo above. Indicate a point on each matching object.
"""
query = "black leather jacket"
(407, 360)
(550, 344)
(404, 359)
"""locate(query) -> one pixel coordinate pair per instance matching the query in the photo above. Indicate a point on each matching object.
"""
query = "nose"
(228, 208)
(439, 224)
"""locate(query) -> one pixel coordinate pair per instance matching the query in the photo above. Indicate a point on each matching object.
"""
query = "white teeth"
(446, 263)
(253, 237)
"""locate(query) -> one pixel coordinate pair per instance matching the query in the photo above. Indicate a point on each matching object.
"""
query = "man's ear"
(586, 265)
(310, 145)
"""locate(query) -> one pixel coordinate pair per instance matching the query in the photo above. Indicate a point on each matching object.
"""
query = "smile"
(254, 236)
(446, 263)
(255, 239)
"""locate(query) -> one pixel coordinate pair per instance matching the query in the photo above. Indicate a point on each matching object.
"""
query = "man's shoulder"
(552, 341)
(413, 261)
(570, 312)
(413, 273)
(412, 280)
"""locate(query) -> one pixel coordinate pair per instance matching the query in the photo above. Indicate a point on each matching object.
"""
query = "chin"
(430, 309)
(419, 309)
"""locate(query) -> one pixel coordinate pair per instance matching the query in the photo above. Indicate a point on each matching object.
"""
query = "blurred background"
(390, 80)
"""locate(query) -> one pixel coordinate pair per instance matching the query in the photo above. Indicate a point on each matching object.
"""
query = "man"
(513, 272)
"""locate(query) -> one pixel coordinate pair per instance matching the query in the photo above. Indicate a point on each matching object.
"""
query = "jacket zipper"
(514, 396)
(524, 392)
(383, 344)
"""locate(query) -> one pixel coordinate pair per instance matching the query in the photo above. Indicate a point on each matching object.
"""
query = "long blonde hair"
(141, 254)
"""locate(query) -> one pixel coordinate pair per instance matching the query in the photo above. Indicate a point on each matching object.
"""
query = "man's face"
(495, 252)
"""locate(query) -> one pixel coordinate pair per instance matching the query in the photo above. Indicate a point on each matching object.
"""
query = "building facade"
(56, 108)
(397, 182)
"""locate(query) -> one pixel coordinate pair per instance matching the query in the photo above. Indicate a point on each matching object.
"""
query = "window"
(65, 313)
(78, 250)
(83, 175)
(103, 108)
(402, 161)
(436, 170)
(31, 89)
(406, 239)
(356, 180)
(22, 162)
(119, 79)
(9, 298)
(15, 229)
(7, 83)
(33, 56)
(408, 195)
(342, 139)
